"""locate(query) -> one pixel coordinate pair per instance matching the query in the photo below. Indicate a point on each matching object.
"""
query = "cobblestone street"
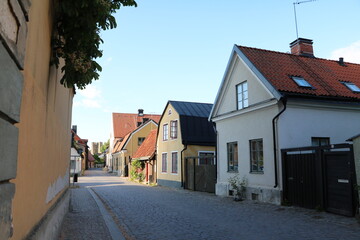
(137, 211)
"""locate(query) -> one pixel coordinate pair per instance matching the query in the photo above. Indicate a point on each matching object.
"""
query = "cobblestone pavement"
(143, 212)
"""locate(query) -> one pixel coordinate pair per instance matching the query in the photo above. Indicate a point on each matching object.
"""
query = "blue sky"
(178, 50)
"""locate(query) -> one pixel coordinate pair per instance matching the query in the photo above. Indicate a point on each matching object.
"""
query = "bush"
(136, 171)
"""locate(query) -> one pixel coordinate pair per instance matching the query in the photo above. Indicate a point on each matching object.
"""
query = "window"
(242, 95)
(352, 87)
(173, 129)
(140, 140)
(256, 155)
(206, 158)
(174, 161)
(301, 82)
(165, 132)
(232, 155)
(320, 141)
(164, 162)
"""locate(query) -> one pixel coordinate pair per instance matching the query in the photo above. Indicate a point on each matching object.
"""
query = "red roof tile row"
(325, 76)
(124, 123)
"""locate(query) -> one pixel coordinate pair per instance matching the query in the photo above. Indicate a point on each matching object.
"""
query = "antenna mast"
(297, 2)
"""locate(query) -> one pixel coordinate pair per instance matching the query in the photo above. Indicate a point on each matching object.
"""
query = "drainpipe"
(182, 170)
(283, 100)
(216, 151)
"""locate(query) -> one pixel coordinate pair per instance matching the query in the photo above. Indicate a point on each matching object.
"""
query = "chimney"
(302, 47)
(74, 128)
(141, 112)
(341, 61)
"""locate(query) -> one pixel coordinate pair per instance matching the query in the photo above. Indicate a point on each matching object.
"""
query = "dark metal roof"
(192, 109)
(195, 127)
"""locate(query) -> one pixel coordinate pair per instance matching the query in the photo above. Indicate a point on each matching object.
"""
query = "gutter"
(182, 169)
(283, 100)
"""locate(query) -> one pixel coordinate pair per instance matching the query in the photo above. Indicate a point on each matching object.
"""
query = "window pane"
(232, 156)
(256, 155)
(244, 86)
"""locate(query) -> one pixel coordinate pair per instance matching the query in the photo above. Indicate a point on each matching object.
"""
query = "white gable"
(240, 70)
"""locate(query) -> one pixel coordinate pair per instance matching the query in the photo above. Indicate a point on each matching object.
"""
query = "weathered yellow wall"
(132, 145)
(169, 146)
(44, 128)
(193, 150)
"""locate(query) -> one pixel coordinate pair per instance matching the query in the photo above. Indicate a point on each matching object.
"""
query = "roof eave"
(229, 64)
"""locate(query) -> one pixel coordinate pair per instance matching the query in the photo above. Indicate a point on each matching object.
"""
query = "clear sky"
(178, 50)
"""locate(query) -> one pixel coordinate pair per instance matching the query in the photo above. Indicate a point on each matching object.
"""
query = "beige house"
(184, 131)
(122, 125)
(125, 149)
(35, 123)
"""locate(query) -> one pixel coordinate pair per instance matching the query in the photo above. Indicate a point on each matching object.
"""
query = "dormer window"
(301, 82)
(352, 87)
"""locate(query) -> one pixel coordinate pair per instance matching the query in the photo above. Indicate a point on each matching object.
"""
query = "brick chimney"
(302, 47)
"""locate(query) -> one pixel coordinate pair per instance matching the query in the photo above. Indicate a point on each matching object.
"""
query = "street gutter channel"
(117, 230)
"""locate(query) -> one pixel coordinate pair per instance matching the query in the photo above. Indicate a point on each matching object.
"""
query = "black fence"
(320, 177)
(200, 173)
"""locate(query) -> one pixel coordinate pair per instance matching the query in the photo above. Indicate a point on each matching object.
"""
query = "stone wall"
(13, 31)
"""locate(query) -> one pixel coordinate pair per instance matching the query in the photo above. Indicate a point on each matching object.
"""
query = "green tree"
(105, 146)
(78, 27)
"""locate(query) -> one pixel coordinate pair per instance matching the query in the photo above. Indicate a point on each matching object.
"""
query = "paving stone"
(163, 213)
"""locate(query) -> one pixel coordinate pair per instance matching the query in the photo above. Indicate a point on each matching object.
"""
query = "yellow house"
(184, 132)
(125, 149)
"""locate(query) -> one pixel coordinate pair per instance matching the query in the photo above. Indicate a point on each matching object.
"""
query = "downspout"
(216, 152)
(283, 100)
(182, 168)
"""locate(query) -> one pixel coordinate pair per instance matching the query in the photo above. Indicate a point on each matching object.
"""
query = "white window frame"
(166, 132)
(176, 129)
(301, 82)
(352, 86)
(242, 95)
(162, 162)
(177, 162)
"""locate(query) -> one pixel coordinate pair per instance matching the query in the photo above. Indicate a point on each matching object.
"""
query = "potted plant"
(238, 186)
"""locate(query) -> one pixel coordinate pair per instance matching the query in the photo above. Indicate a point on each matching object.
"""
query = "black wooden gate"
(339, 183)
(320, 177)
(200, 175)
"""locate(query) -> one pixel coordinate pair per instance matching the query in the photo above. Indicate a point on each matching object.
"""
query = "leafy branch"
(78, 26)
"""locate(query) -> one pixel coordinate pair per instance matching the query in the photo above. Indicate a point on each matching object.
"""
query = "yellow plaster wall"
(169, 146)
(132, 145)
(193, 150)
(44, 128)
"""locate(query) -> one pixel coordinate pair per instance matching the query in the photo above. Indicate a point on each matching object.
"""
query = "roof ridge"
(288, 53)
(188, 102)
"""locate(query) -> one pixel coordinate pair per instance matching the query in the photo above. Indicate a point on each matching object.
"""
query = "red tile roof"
(147, 148)
(124, 123)
(325, 76)
(91, 157)
(78, 139)
(119, 144)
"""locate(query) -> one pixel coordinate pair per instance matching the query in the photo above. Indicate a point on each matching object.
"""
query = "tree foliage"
(105, 146)
(78, 26)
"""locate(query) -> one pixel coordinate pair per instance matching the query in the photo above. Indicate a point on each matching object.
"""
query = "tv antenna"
(295, 3)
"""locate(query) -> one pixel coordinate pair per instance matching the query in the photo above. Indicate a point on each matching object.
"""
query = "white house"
(75, 161)
(268, 101)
